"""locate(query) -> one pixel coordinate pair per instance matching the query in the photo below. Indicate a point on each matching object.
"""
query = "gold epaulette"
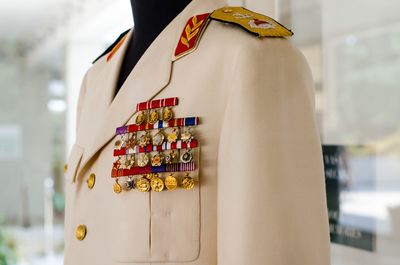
(255, 23)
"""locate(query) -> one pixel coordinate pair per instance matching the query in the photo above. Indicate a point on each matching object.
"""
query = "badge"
(156, 183)
(157, 160)
(143, 184)
(129, 184)
(144, 140)
(118, 144)
(173, 136)
(170, 158)
(186, 156)
(117, 164)
(140, 118)
(188, 182)
(158, 138)
(187, 136)
(117, 187)
(170, 182)
(129, 161)
(153, 117)
(168, 114)
(143, 160)
(131, 142)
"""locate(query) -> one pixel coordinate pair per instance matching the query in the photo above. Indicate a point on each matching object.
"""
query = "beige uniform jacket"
(260, 197)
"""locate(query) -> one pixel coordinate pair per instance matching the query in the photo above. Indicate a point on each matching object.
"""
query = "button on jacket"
(260, 198)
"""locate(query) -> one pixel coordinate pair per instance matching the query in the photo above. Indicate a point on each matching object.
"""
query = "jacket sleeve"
(272, 205)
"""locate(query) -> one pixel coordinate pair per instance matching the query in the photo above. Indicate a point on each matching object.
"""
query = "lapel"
(148, 78)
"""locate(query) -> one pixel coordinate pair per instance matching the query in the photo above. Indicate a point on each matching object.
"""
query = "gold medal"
(153, 117)
(187, 156)
(187, 136)
(144, 140)
(156, 183)
(158, 138)
(117, 187)
(157, 159)
(129, 161)
(188, 182)
(171, 183)
(143, 160)
(168, 114)
(143, 184)
(140, 118)
(173, 136)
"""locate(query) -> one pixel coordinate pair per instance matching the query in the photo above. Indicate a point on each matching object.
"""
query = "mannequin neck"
(150, 17)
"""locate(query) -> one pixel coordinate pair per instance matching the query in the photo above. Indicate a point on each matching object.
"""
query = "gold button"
(228, 10)
(80, 232)
(65, 167)
(91, 181)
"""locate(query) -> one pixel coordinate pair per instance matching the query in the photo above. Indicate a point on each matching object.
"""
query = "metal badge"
(131, 142)
(118, 144)
(144, 139)
(129, 161)
(188, 182)
(129, 184)
(168, 114)
(154, 117)
(170, 158)
(157, 159)
(156, 183)
(170, 182)
(173, 136)
(143, 184)
(187, 135)
(187, 156)
(158, 138)
(140, 118)
(143, 160)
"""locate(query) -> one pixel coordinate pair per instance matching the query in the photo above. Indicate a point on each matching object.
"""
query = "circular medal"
(188, 182)
(140, 118)
(157, 160)
(117, 187)
(143, 184)
(158, 138)
(129, 184)
(173, 136)
(143, 160)
(187, 136)
(118, 144)
(144, 140)
(187, 156)
(153, 117)
(168, 114)
(170, 182)
(157, 184)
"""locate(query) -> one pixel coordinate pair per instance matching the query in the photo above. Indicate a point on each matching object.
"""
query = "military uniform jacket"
(259, 196)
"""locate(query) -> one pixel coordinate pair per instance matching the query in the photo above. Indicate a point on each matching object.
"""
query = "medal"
(187, 136)
(129, 161)
(173, 136)
(144, 140)
(170, 158)
(170, 182)
(143, 160)
(117, 164)
(187, 156)
(157, 160)
(188, 182)
(156, 183)
(117, 187)
(158, 138)
(118, 144)
(168, 114)
(143, 184)
(153, 117)
(140, 118)
(129, 184)
(131, 142)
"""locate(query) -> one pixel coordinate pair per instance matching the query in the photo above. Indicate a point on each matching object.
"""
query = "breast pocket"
(71, 168)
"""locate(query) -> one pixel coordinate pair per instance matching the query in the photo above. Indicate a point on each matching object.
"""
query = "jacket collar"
(149, 77)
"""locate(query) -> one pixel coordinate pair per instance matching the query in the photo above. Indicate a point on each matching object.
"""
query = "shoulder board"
(113, 47)
(255, 23)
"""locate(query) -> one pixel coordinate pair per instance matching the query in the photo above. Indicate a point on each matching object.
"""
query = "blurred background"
(353, 48)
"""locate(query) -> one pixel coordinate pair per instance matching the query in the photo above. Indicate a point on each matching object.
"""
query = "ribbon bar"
(179, 122)
(150, 148)
(157, 103)
(176, 167)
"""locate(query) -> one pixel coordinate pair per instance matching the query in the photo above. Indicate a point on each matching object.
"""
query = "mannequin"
(147, 28)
